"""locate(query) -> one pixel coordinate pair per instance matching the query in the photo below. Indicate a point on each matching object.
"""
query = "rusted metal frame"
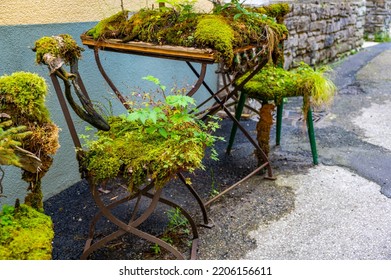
(99, 214)
(65, 111)
(108, 80)
(221, 105)
(199, 200)
(127, 228)
(200, 80)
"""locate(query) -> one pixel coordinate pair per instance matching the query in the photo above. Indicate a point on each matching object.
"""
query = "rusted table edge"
(148, 49)
(206, 55)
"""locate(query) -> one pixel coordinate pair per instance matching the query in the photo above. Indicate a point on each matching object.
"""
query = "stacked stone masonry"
(378, 18)
(323, 31)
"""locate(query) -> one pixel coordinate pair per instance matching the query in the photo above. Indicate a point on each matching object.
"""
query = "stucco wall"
(23, 26)
(63, 11)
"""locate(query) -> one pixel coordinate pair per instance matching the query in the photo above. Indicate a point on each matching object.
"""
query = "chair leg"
(311, 135)
(279, 123)
(238, 114)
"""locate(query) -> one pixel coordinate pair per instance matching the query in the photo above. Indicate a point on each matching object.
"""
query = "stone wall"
(323, 31)
(378, 18)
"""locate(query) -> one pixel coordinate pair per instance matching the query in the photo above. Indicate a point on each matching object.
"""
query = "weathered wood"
(28, 160)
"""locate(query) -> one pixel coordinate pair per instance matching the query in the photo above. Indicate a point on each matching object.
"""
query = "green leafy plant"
(156, 249)
(177, 221)
(177, 226)
(153, 142)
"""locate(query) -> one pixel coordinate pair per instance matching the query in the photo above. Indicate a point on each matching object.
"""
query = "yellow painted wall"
(63, 11)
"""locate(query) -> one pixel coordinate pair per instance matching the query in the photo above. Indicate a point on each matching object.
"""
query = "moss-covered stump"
(25, 234)
(263, 129)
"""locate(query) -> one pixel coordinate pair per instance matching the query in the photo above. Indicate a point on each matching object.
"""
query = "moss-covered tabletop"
(179, 32)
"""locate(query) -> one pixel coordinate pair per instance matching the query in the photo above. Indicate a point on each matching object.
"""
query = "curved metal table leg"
(131, 227)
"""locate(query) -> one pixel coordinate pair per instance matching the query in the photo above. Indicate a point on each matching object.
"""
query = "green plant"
(177, 221)
(382, 37)
(239, 8)
(156, 249)
(177, 226)
(184, 8)
(154, 142)
(214, 191)
(314, 85)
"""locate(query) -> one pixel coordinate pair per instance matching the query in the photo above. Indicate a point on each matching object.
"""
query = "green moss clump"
(142, 156)
(277, 11)
(271, 84)
(150, 144)
(222, 41)
(62, 46)
(22, 97)
(111, 26)
(25, 234)
(27, 91)
(274, 83)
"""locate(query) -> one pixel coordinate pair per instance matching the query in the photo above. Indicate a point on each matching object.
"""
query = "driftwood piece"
(28, 160)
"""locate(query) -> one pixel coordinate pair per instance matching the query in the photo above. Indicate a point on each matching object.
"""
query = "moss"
(277, 11)
(222, 41)
(152, 143)
(111, 26)
(62, 46)
(274, 83)
(22, 97)
(10, 138)
(141, 156)
(25, 234)
(222, 30)
(27, 91)
(271, 84)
